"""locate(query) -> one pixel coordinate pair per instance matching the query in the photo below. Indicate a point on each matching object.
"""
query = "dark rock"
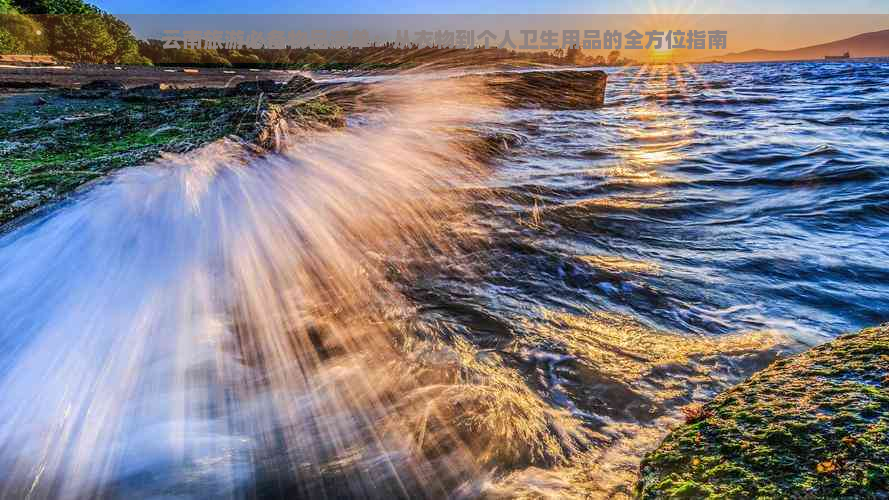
(153, 87)
(153, 92)
(564, 89)
(298, 84)
(104, 85)
(141, 89)
(15, 84)
(40, 101)
(256, 87)
(96, 89)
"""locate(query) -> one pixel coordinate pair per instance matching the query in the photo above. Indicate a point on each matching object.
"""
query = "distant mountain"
(875, 44)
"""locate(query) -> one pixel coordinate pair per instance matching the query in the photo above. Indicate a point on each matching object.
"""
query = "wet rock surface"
(109, 85)
(257, 86)
(812, 426)
(150, 92)
(551, 89)
(76, 136)
(79, 134)
(299, 83)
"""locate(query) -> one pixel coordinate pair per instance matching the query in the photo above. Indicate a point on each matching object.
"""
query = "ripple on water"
(531, 333)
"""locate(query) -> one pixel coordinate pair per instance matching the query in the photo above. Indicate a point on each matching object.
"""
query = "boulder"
(815, 425)
(298, 84)
(104, 85)
(24, 84)
(257, 86)
(152, 87)
(96, 89)
(558, 89)
(152, 92)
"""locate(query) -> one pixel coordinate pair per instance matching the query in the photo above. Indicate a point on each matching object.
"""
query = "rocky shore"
(58, 134)
(55, 141)
(811, 426)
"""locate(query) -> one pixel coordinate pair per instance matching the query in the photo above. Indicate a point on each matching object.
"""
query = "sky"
(756, 28)
(493, 7)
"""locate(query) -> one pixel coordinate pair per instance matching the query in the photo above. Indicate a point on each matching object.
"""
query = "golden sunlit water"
(378, 312)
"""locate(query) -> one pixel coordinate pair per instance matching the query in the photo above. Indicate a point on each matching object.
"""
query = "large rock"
(96, 89)
(254, 87)
(812, 426)
(152, 92)
(559, 89)
(14, 84)
(106, 85)
(298, 84)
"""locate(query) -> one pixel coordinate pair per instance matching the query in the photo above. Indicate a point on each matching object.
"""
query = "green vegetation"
(51, 149)
(68, 29)
(814, 426)
(19, 33)
(75, 31)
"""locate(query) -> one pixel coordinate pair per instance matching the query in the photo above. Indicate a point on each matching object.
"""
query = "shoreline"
(59, 140)
(255, 107)
(74, 136)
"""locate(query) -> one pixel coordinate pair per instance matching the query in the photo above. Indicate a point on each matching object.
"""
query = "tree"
(154, 50)
(613, 57)
(81, 31)
(296, 55)
(19, 33)
(573, 55)
(86, 38)
(239, 58)
(125, 45)
(312, 58)
(212, 57)
(135, 60)
(54, 7)
(187, 56)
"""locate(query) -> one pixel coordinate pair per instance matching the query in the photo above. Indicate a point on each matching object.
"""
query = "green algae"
(814, 425)
(51, 144)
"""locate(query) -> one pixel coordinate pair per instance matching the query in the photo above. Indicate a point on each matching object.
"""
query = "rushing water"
(375, 312)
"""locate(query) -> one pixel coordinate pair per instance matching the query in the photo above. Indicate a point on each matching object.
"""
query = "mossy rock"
(812, 426)
(50, 150)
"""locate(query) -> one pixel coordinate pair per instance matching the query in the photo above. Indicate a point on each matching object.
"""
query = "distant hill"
(875, 44)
